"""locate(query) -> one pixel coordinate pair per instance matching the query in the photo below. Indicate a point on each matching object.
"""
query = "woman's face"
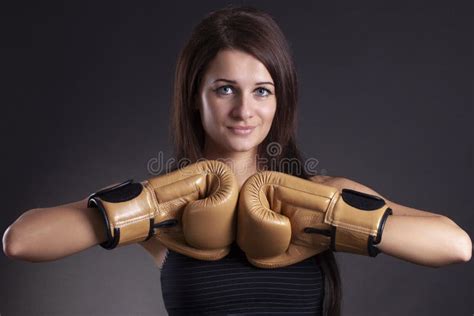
(237, 102)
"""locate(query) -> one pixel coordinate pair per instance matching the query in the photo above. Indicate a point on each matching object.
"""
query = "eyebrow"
(235, 82)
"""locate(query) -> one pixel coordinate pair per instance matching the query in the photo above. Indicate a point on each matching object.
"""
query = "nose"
(243, 108)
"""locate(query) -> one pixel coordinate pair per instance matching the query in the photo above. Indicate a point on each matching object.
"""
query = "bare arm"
(47, 234)
(417, 236)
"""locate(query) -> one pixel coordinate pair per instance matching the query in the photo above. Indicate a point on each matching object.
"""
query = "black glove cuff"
(374, 251)
(121, 192)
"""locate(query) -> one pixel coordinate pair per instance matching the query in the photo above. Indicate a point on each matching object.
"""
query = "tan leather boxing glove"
(191, 210)
(283, 219)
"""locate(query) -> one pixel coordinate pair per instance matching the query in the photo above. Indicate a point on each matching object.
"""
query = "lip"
(241, 130)
(242, 127)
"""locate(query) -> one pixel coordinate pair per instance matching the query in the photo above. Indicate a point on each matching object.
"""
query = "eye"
(263, 92)
(225, 90)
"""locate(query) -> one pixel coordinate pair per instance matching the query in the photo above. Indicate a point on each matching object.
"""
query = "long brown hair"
(256, 33)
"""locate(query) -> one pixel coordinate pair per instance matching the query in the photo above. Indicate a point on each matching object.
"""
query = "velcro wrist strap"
(126, 211)
(358, 219)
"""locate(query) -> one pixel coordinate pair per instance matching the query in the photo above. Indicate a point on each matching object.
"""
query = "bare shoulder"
(321, 179)
(337, 182)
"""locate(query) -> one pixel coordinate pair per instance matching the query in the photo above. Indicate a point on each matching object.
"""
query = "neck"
(243, 164)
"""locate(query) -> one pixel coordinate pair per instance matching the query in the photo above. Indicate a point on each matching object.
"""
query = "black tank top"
(232, 286)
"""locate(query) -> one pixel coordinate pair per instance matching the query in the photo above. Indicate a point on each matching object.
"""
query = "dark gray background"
(386, 100)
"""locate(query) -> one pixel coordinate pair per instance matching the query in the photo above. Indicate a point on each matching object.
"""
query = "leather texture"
(201, 198)
(275, 209)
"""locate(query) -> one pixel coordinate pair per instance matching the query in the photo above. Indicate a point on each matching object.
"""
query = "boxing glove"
(284, 219)
(191, 210)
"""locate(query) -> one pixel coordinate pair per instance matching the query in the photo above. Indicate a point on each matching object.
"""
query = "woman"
(235, 94)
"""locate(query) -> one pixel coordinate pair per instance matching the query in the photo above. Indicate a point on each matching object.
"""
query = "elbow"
(464, 248)
(18, 243)
(461, 244)
(458, 249)
(11, 245)
(459, 252)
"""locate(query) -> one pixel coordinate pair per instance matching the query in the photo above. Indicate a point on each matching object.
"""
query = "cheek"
(267, 114)
(212, 116)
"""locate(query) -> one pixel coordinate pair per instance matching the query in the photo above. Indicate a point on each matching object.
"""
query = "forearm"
(51, 233)
(426, 240)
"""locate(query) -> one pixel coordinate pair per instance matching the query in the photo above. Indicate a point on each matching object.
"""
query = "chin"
(241, 146)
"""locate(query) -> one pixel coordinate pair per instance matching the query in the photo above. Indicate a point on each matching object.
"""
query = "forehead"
(236, 65)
